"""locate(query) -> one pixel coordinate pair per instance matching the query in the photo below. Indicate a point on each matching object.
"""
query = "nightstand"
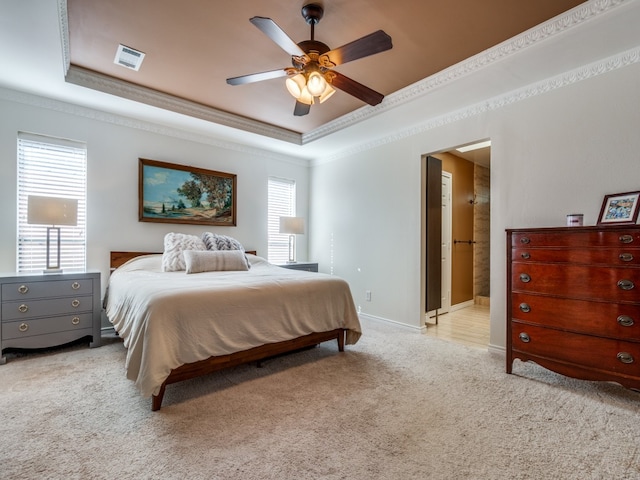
(46, 310)
(305, 266)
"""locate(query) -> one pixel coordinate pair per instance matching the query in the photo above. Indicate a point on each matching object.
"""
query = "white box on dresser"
(46, 310)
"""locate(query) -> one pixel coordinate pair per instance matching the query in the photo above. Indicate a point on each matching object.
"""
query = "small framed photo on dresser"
(619, 209)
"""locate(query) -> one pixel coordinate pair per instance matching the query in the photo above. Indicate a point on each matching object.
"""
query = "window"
(282, 203)
(51, 167)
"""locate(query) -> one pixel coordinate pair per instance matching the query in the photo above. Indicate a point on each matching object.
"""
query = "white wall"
(114, 145)
(552, 154)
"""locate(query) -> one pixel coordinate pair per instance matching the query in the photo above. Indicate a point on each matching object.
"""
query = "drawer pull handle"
(23, 308)
(626, 284)
(23, 289)
(626, 257)
(23, 327)
(75, 320)
(525, 240)
(525, 307)
(75, 303)
(525, 278)
(75, 285)
(625, 357)
(525, 255)
(524, 337)
(626, 238)
(625, 320)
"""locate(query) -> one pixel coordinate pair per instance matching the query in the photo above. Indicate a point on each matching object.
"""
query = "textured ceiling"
(192, 46)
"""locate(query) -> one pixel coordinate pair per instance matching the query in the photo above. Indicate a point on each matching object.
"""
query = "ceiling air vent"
(128, 57)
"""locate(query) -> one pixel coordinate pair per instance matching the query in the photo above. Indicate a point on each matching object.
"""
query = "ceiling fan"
(312, 76)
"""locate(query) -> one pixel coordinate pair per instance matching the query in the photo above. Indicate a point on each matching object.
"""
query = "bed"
(178, 326)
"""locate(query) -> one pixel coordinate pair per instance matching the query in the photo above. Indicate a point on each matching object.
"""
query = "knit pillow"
(215, 261)
(174, 246)
(213, 241)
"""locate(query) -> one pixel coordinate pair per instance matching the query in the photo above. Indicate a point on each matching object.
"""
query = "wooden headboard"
(119, 258)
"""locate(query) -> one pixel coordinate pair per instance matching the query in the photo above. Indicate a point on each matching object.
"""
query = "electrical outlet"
(367, 295)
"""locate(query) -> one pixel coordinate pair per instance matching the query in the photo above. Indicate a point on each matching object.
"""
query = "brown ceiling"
(193, 46)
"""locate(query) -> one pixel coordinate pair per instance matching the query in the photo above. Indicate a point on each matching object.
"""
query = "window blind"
(51, 167)
(281, 203)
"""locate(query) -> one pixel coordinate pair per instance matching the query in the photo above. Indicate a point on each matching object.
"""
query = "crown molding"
(561, 23)
(150, 127)
(574, 17)
(104, 83)
(591, 70)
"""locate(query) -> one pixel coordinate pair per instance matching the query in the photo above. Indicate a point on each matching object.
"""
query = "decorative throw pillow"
(174, 246)
(215, 261)
(213, 241)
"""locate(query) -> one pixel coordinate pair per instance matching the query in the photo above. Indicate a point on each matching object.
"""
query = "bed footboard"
(213, 364)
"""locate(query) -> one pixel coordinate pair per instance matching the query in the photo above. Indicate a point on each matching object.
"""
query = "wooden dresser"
(573, 301)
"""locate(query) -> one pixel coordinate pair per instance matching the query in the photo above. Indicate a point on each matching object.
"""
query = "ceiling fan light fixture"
(295, 85)
(305, 97)
(316, 84)
(328, 91)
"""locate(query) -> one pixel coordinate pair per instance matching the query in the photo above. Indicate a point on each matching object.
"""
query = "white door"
(446, 243)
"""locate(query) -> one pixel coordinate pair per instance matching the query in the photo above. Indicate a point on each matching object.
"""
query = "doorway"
(466, 284)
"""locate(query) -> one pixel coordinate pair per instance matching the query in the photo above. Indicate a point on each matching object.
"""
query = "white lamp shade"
(292, 225)
(52, 210)
(295, 85)
(316, 84)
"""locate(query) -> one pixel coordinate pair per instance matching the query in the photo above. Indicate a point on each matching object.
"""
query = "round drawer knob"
(75, 303)
(525, 278)
(23, 327)
(23, 289)
(75, 285)
(626, 284)
(525, 255)
(524, 337)
(625, 238)
(625, 320)
(525, 308)
(625, 257)
(525, 240)
(75, 320)
(625, 357)
(23, 308)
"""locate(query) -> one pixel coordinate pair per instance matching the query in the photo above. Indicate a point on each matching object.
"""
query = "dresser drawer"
(605, 319)
(618, 256)
(41, 308)
(54, 288)
(44, 326)
(584, 350)
(575, 281)
(577, 238)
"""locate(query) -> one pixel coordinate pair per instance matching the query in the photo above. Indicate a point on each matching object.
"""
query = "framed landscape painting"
(171, 193)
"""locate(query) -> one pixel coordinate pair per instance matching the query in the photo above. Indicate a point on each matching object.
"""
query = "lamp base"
(52, 270)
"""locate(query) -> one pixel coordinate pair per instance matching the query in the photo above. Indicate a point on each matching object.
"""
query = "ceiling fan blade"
(257, 77)
(301, 109)
(375, 42)
(275, 33)
(356, 89)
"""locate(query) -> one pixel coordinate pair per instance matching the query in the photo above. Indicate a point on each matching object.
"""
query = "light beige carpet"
(397, 405)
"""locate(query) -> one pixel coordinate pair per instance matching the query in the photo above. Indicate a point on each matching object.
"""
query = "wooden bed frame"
(255, 354)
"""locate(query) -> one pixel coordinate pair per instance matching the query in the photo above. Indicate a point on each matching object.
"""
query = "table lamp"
(54, 211)
(293, 226)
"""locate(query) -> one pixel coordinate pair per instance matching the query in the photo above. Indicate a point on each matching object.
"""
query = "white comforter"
(167, 319)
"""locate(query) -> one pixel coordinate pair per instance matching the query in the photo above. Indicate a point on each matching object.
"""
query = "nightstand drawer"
(44, 326)
(53, 288)
(41, 308)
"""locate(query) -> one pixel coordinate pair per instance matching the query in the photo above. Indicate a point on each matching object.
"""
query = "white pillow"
(215, 261)
(213, 241)
(174, 246)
